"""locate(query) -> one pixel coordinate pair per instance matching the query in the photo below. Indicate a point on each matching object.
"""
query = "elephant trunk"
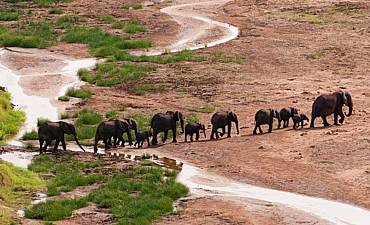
(182, 125)
(129, 137)
(78, 143)
(204, 132)
(350, 110)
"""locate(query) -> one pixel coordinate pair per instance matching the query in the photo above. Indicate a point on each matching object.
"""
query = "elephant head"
(293, 111)
(232, 117)
(202, 128)
(275, 114)
(133, 125)
(124, 126)
(177, 116)
(70, 129)
(348, 103)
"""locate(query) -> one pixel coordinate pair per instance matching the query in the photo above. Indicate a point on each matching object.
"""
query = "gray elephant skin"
(265, 116)
(285, 114)
(133, 126)
(163, 122)
(221, 120)
(328, 104)
(141, 137)
(112, 128)
(55, 131)
(194, 128)
(298, 119)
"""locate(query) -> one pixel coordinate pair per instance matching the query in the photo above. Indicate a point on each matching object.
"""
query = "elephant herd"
(111, 131)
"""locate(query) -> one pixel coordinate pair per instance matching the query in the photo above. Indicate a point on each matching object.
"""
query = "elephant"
(265, 116)
(112, 128)
(221, 120)
(55, 131)
(299, 119)
(163, 122)
(133, 126)
(141, 137)
(194, 128)
(285, 115)
(327, 104)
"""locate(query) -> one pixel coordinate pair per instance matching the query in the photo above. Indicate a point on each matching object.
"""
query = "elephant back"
(219, 118)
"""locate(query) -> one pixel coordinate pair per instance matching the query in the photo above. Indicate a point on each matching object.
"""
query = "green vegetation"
(143, 122)
(203, 109)
(41, 121)
(14, 182)
(30, 135)
(134, 6)
(88, 117)
(348, 8)
(221, 57)
(10, 119)
(315, 19)
(63, 98)
(56, 11)
(138, 195)
(45, 2)
(107, 18)
(78, 93)
(118, 25)
(133, 27)
(68, 21)
(55, 210)
(192, 118)
(64, 115)
(67, 174)
(108, 74)
(9, 15)
(28, 35)
(113, 114)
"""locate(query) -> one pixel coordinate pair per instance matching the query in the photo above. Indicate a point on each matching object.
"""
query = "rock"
(261, 147)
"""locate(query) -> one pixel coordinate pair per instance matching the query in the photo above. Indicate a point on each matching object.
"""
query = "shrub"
(136, 6)
(85, 75)
(79, 93)
(41, 121)
(88, 117)
(63, 98)
(113, 114)
(64, 115)
(30, 135)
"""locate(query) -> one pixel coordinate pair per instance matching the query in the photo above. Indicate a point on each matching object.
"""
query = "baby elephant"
(299, 118)
(285, 115)
(194, 128)
(265, 116)
(141, 137)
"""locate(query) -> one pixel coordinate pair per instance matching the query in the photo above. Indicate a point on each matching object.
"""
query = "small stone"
(261, 147)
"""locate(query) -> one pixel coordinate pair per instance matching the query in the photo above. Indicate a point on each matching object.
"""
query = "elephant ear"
(67, 128)
(344, 98)
(122, 125)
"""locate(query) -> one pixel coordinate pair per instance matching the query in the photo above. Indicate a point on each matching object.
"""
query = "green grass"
(57, 11)
(138, 195)
(143, 122)
(107, 18)
(133, 27)
(192, 118)
(88, 117)
(316, 19)
(66, 170)
(9, 15)
(69, 21)
(63, 98)
(14, 184)
(55, 210)
(44, 3)
(10, 119)
(41, 121)
(30, 135)
(28, 35)
(85, 75)
(78, 93)
(118, 25)
(203, 109)
(134, 6)
(64, 115)
(221, 57)
(108, 74)
(112, 114)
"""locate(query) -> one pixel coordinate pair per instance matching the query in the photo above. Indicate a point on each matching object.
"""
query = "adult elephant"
(163, 122)
(55, 131)
(112, 128)
(221, 120)
(327, 104)
(132, 125)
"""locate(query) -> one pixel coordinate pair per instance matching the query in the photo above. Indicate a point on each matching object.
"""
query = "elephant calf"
(141, 137)
(194, 128)
(265, 116)
(285, 115)
(299, 119)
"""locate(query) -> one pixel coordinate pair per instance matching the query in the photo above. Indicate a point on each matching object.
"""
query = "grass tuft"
(30, 135)
(113, 114)
(133, 27)
(63, 98)
(78, 93)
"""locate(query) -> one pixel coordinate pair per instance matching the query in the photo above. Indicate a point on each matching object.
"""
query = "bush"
(41, 121)
(63, 98)
(113, 114)
(85, 75)
(133, 27)
(78, 93)
(30, 135)
(137, 6)
(64, 115)
(88, 117)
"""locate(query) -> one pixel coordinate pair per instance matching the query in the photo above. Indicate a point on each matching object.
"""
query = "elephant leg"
(64, 145)
(147, 139)
(229, 130)
(165, 136)
(197, 136)
(325, 121)
(106, 145)
(259, 127)
(174, 135)
(255, 130)
(48, 142)
(41, 144)
(270, 127)
(191, 137)
(279, 123)
(335, 118)
(56, 145)
(154, 139)
(223, 132)
(186, 136)
(301, 125)
(312, 121)
(341, 120)
(142, 143)
(287, 123)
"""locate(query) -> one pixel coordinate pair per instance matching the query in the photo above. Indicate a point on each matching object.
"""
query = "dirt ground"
(288, 62)
(290, 57)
